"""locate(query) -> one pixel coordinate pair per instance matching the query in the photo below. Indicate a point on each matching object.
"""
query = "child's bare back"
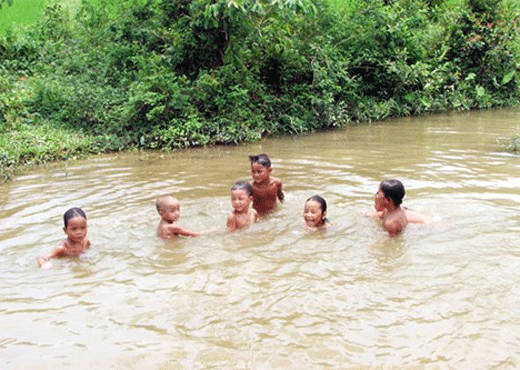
(395, 221)
(388, 206)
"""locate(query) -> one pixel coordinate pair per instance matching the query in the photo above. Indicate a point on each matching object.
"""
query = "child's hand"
(46, 265)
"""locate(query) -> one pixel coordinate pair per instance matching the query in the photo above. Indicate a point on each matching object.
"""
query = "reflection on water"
(440, 296)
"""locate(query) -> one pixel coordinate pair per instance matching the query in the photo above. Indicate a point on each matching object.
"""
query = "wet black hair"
(243, 185)
(394, 190)
(71, 213)
(323, 204)
(321, 201)
(263, 159)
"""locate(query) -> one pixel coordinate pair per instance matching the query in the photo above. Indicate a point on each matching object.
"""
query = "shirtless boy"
(389, 198)
(169, 209)
(266, 189)
(412, 216)
(241, 197)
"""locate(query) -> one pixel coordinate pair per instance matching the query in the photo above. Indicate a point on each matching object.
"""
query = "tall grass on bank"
(28, 12)
(175, 74)
(20, 12)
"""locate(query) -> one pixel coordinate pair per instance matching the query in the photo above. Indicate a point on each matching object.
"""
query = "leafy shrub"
(173, 74)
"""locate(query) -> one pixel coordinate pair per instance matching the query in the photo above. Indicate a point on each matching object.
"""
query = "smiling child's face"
(240, 200)
(76, 229)
(312, 214)
(259, 172)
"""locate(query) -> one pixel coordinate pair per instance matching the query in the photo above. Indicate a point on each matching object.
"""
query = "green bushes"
(483, 41)
(176, 74)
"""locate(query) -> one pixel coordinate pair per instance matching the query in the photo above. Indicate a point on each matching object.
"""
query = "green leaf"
(480, 91)
(471, 77)
(508, 77)
(426, 102)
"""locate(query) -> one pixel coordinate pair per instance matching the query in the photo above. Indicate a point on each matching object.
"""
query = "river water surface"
(445, 295)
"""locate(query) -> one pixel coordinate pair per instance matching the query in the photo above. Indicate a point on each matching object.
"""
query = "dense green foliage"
(8, 2)
(179, 73)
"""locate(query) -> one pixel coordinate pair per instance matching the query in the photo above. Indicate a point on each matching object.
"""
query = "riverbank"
(197, 72)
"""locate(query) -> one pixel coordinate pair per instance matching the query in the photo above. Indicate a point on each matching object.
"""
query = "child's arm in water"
(376, 214)
(280, 194)
(44, 261)
(178, 230)
(415, 217)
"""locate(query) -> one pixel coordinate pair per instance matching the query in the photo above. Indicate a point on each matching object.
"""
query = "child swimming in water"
(266, 189)
(315, 213)
(412, 216)
(75, 221)
(169, 209)
(241, 197)
(387, 202)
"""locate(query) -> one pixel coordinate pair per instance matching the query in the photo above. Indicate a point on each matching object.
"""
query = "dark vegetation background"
(169, 74)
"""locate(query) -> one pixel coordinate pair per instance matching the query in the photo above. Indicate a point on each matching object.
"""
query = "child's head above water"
(262, 159)
(260, 168)
(393, 190)
(75, 224)
(168, 208)
(241, 196)
(315, 212)
(243, 185)
(73, 213)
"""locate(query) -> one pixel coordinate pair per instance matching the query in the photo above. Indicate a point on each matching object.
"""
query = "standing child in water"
(266, 189)
(241, 198)
(388, 199)
(75, 227)
(315, 213)
(169, 209)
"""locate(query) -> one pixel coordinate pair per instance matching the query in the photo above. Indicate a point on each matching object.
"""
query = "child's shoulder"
(63, 244)
(173, 227)
(395, 222)
(167, 230)
(275, 182)
(62, 247)
(415, 217)
(165, 226)
(232, 215)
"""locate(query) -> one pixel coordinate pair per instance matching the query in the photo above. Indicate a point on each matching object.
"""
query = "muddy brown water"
(440, 296)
